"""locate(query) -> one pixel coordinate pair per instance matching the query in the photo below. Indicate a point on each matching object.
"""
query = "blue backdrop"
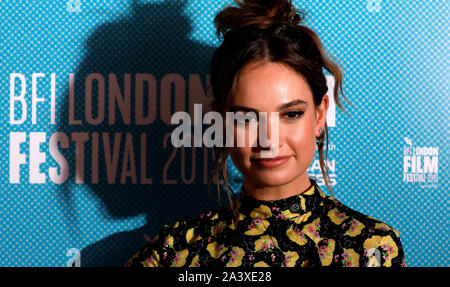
(88, 88)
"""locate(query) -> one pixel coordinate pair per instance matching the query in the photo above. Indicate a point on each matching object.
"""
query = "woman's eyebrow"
(290, 104)
(235, 108)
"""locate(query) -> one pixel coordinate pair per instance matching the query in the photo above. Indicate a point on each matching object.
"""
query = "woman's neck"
(294, 187)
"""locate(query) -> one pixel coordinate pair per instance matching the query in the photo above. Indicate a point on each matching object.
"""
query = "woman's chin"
(272, 178)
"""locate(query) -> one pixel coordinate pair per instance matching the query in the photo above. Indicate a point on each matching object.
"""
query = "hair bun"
(260, 14)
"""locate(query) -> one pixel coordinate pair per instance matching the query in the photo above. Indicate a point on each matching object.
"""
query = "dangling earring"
(320, 139)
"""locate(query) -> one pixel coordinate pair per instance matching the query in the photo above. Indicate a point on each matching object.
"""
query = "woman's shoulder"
(174, 241)
(338, 212)
(189, 228)
(358, 231)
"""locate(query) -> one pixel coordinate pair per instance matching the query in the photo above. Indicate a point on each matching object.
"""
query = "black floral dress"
(309, 229)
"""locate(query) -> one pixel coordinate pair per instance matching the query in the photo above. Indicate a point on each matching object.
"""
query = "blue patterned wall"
(396, 64)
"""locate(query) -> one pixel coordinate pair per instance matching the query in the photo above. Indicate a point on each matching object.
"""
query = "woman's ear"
(321, 115)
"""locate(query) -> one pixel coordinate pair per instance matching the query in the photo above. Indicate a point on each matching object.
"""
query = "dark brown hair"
(268, 31)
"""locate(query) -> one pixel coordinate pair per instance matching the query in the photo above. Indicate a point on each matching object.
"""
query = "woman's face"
(274, 87)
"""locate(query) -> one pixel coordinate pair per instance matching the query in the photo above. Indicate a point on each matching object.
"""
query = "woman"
(269, 62)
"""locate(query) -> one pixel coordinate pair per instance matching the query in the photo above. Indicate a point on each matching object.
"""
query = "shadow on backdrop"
(152, 39)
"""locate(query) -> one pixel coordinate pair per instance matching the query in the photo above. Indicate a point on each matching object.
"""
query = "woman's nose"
(269, 132)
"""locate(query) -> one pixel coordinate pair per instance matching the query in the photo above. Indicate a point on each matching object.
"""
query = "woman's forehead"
(268, 86)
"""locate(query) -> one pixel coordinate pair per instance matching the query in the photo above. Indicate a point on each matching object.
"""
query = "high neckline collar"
(301, 203)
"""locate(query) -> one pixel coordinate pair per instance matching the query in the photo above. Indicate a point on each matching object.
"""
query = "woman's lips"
(271, 162)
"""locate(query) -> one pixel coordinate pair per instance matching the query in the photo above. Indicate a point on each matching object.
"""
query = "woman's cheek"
(302, 142)
(295, 139)
(245, 135)
(242, 147)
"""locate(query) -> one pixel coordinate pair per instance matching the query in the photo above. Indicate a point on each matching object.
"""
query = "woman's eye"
(247, 119)
(294, 114)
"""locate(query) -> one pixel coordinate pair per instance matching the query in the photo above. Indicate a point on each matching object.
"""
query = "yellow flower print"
(322, 195)
(180, 258)
(312, 230)
(262, 212)
(305, 263)
(260, 264)
(326, 250)
(288, 214)
(152, 261)
(266, 243)
(218, 228)
(191, 236)
(372, 242)
(350, 258)
(385, 244)
(257, 227)
(336, 216)
(290, 258)
(303, 203)
(383, 226)
(236, 256)
(168, 243)
(309, 191)
(296, 235)
(355, 228)
(216, 249)
(215, 216)
(296, 217)
(195, 262)
(234, 224)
